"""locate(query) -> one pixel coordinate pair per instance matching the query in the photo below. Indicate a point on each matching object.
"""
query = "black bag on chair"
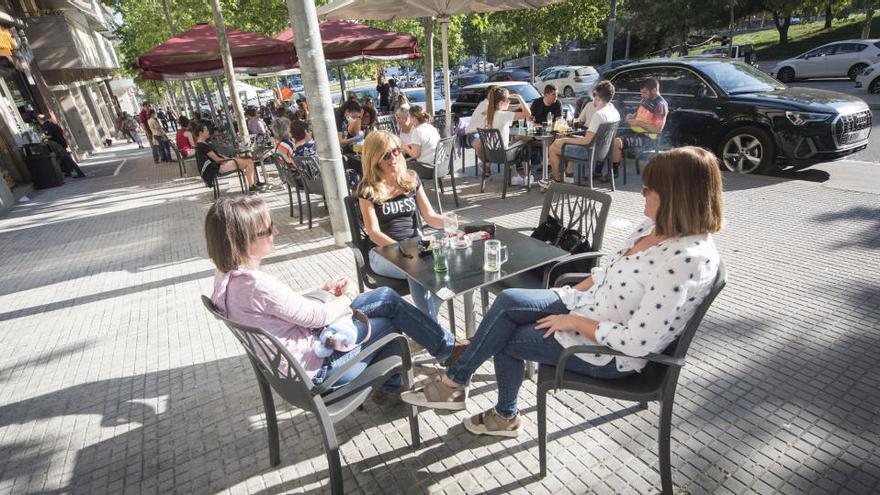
(548, 231)
(551, 232)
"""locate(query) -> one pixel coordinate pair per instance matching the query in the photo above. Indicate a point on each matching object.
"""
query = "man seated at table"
(548, 105)
(348, 125)
(605, 113)
(302, 109)
(645, 125)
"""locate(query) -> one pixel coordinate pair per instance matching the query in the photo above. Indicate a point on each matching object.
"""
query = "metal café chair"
(598, 151)
(656, 382)
(441, 167)
(495, 152)
(387, 123)
(310, 173)
(276, 369)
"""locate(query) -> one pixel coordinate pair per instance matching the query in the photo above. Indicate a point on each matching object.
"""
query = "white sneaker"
(544, 184)
(517, 181)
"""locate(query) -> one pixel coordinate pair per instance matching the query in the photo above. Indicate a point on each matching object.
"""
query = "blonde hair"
(495, 98)
(417, 113)
(688, 181)
(375, 146)
(232, 224)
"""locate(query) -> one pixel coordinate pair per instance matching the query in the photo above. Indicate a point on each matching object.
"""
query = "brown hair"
(549, 89)
(375, 145)
(688, 181)
(495, 99)
(231, 226)
(651, 83)
(298, 130)
(605, 90)
(417, 113)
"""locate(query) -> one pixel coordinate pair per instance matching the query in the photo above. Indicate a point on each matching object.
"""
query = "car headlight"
(867, 71)
(801, 118)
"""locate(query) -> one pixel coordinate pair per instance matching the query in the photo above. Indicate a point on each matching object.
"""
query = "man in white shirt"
(605, 112)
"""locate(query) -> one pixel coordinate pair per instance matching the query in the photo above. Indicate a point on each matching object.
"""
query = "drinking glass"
(494, 255)
(438, 250)
(450, 224)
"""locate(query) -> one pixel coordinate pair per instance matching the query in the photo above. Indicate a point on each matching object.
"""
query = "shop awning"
(346, 42)
(198, 51)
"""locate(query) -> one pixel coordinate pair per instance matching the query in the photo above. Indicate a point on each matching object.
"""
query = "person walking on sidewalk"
(54, 135)
(143, 117)
(159, 138)
(130, 129)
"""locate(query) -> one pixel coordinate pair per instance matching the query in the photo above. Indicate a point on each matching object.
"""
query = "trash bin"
(43, 166)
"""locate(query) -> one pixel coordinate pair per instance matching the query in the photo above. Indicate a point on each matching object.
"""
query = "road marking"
(116, 172)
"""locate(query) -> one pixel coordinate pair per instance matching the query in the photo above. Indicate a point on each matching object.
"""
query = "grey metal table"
(546, 140)
(465, 267)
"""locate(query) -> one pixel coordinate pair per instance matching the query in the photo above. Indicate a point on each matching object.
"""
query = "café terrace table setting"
(458, 266)
(546, 134)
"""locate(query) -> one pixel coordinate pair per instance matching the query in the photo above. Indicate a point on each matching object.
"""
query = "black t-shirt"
(384, 93)
(398, 217)
(202, 150)
(540, 110)
(342, 124)
(55, 133)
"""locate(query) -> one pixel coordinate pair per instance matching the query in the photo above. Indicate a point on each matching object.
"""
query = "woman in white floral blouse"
(638, 304)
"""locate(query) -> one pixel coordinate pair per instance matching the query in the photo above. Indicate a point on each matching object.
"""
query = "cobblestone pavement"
(114, 379)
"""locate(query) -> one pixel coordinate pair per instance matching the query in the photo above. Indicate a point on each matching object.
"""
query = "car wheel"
(747, 150)
(568, 92)
(874, 87)
(855, 70)
(786, 74)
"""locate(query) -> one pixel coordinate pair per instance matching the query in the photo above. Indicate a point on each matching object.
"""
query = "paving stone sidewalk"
(113, 379)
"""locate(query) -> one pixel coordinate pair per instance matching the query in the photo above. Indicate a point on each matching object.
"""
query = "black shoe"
(256, 188)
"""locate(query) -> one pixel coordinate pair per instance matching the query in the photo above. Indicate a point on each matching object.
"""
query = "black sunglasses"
(267, 232)
(395, 152)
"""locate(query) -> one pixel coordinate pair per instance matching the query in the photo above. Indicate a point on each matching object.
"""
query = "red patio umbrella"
(346, 42)
(197, 50)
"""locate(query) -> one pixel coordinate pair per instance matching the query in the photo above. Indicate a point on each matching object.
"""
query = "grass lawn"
(803, 37)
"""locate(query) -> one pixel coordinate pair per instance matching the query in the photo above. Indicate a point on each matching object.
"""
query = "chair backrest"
(439, 122)
(578, 208)
(386, 123)
(443, 156)
(310, 171)
(285, 172)
(603, 139)
(272, 360)
(493, 146)
(680, 346)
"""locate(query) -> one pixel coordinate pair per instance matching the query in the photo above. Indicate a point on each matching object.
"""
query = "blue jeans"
(508, 334)
(422, 298)
(388, 312)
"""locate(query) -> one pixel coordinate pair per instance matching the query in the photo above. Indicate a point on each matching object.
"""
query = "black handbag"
(551, 232)
(548, 231)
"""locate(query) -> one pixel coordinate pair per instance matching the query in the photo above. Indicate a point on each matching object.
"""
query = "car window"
(824, 51)
(473, 96)
(737, 78)
(681, 82)
(851, 47)
(630, 81)
(525, 90)
(584, 72)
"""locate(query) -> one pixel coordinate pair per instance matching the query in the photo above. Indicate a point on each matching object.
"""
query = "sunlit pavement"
(114, 379)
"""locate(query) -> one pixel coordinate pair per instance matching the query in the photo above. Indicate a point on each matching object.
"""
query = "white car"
(569, 80)
(838, 59)
(416, 96)
(869, 79)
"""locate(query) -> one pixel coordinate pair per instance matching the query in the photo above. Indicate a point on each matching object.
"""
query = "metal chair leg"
(331, 448)
(506, 180)
(438, 187)
(454, 191)
(542, 430)
(412, 411)
(300, 204)
(271, 419)
(663, 441)
(290, 199)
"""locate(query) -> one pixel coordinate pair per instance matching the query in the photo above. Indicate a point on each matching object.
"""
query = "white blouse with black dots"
(643, 302)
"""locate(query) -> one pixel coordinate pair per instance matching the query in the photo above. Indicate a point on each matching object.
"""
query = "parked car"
(838, 59)
(458, 82)
(416, 96)
(471, 96)
(362, 94)
(549, 70)
(869, 79)
(511, 74)
(570, 80)
(741, 53)
(751, 121)
(602, 69)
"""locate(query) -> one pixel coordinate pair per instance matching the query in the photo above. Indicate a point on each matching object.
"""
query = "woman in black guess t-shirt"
(390, 195)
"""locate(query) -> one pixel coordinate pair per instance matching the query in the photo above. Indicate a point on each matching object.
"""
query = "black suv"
(746, 117)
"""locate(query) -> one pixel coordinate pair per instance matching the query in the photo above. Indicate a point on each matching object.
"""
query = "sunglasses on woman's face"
(266, 233)
(387, 156)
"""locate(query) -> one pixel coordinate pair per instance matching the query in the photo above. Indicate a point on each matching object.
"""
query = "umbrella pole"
(210, 98)
(444, 43)
(304, 21)
(228, 113)
(429, 66)
(341, 72)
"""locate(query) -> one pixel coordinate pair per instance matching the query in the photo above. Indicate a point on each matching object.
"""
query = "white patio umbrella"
(385, 10)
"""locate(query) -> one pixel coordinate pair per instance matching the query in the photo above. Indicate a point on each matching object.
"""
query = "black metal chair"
(276, 369)
(310, 173)
(441, 167)
(439, 122)
(387, 123)
(495, 152)
(656, 382)
(643, 153)
(360, 244)
(598, 151)
(181, 160)
(289, 177)
(215, 184)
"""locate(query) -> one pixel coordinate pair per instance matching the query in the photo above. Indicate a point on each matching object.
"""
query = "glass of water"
(450, 224)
